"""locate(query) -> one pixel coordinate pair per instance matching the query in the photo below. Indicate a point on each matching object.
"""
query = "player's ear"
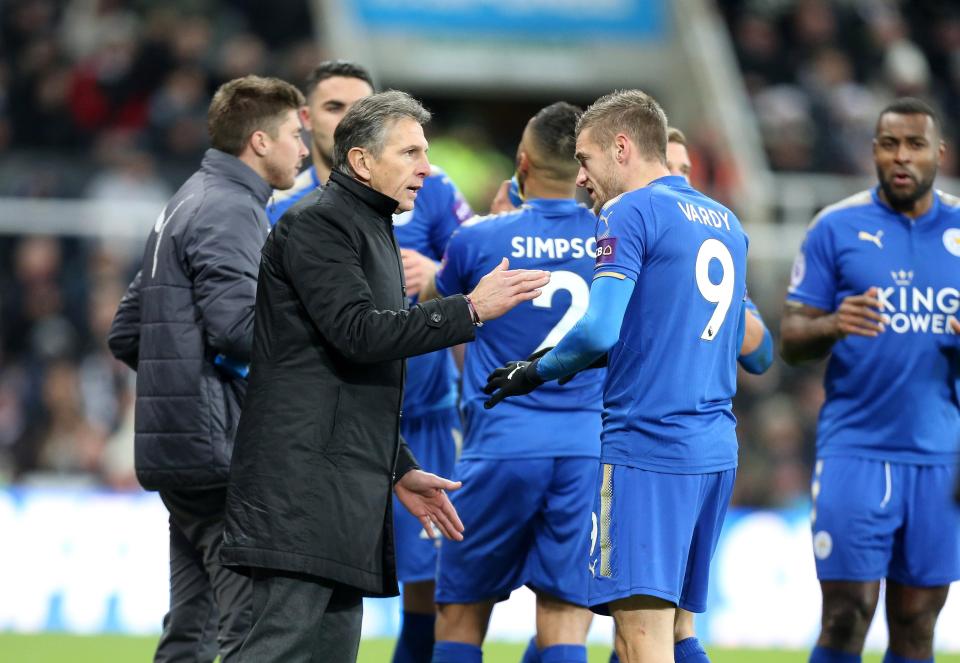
(523, 163)
(621, 148)
(305, 116)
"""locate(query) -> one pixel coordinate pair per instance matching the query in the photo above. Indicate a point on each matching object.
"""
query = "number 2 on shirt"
(579, 298)
(721, 293)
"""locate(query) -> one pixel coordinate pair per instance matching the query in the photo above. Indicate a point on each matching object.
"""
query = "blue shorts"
(656, 534)
(873, 519)
(434, 439)
(527, 522)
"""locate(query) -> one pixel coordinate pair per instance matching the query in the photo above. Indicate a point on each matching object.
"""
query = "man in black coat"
(186, 326)
(318, 450)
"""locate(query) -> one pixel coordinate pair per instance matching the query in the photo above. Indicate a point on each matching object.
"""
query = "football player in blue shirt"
(430, 423)
(666, 303)
(331, 89)
(756, 356)
(528, 468)
(874, 286)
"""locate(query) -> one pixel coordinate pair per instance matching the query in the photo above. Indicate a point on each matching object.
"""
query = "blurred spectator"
(819, 72)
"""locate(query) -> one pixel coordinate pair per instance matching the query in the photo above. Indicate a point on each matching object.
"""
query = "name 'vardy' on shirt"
(707, 217)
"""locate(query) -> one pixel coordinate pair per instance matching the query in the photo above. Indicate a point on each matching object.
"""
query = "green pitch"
(109, 649)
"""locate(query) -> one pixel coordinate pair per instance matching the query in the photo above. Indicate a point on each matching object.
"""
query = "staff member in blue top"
(874, 286)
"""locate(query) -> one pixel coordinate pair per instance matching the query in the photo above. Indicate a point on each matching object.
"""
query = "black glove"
(515, 379)
(599, 362)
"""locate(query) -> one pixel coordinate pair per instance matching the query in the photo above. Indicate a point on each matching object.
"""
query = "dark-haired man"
(666, 303)
(874, 287)
(184, 325)
(528, 468)
(330, 90)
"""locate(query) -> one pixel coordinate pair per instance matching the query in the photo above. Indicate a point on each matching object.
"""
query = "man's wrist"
(531, 373)
(474, 315)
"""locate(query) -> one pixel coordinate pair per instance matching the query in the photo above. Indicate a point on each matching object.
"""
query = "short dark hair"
(910, 106)
(674, 135)
(330, 69)
(244, 105)
(633, 112)
(553, 131)
(365, 124)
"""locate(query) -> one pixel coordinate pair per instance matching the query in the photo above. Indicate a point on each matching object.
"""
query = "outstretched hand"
(502, 289)
(516, 378)
(424, 495)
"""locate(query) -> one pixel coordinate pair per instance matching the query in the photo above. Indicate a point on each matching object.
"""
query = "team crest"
(951, 240)
(822, 544)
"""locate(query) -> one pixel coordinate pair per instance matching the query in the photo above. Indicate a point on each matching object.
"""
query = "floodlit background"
(102, 116)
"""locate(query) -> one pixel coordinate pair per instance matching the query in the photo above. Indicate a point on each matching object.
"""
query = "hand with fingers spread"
(424, 495)
(515, 379)
(859, 315)
(418, 270)
(502, 289)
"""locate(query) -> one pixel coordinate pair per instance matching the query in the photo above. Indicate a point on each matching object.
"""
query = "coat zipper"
(403, 366)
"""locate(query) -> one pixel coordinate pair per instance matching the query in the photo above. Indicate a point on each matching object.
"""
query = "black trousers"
(302, 619)
(210, 605)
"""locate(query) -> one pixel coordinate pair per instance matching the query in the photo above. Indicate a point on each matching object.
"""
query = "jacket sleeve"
(223, 257)
(124, 336)
(322, 260)
(406, 461)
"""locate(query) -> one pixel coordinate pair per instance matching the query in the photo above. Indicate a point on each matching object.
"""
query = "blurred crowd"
(106, 99)
(819, 71)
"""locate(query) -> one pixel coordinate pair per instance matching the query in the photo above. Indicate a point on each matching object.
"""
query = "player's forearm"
(804, 338)
(594, 334)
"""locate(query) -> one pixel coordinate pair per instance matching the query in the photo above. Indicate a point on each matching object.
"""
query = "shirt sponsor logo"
(951, 240)
(906, 308)
(606, 250)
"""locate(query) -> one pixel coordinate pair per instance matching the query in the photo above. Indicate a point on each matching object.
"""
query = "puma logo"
(867, 237)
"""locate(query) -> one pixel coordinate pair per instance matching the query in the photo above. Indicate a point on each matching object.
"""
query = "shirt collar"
(929, 214)
(382, 204)
(235, 170)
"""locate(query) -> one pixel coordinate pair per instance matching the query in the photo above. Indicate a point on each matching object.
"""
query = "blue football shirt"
(281, 201)
(672, 374)
(893, 397)
(439, 210)
(553, 421)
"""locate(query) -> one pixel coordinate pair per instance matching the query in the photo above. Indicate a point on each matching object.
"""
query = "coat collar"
(382, 204)
(231, 168)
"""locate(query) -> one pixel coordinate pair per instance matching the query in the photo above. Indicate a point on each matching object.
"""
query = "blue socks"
(689, 651)
(415, 644)
(456, 652)
(532, 654)
(824, 655)
(890, 657)
(564, 654)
